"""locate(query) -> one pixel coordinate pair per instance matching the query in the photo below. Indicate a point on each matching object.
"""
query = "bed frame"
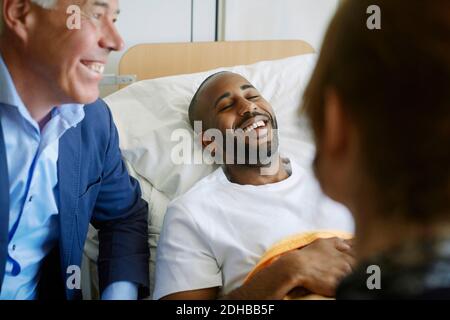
(149, 61)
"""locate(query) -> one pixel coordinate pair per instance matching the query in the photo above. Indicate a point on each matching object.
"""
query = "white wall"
(155, 21)
(204, 16)
(277, 19)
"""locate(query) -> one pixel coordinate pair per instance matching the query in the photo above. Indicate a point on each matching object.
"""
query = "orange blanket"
(293, 243)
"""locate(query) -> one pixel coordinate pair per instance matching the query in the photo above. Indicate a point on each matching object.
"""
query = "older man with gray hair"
(60, 163)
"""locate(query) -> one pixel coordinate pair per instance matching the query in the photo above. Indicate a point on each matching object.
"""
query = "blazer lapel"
(4, 205)
(68, 182)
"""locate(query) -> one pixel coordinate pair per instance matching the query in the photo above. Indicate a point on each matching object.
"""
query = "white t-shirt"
(215, 234)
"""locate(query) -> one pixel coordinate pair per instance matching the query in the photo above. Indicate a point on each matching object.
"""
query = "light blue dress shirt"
(32, 157)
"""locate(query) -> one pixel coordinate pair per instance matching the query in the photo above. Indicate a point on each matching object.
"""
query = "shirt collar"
(72, 114)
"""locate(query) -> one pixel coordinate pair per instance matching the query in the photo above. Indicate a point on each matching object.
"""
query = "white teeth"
(254, 126)
(96, 67)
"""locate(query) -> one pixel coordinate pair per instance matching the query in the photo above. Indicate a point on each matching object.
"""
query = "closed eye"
(253, 98)
(226, 107)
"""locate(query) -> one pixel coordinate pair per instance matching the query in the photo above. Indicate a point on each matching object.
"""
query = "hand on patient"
(317, 268)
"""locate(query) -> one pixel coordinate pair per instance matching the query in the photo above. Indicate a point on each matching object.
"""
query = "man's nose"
(111, 38)
(245, 106)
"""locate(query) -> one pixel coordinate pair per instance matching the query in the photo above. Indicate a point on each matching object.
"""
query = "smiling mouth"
(97, 68)
(255, 128)
(255, 125)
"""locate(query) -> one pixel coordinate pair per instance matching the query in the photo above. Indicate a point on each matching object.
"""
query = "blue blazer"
(94, 187)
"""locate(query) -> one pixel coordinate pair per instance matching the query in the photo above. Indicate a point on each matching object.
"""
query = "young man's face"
(72, 61)
(231, 104)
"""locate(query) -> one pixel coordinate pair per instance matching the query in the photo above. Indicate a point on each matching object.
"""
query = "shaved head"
(195, 108)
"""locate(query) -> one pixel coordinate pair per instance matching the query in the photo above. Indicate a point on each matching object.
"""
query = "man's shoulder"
(97, 124)
(96, 132)
(97, 112)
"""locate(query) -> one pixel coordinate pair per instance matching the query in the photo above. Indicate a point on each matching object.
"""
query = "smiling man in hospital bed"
(215, 234)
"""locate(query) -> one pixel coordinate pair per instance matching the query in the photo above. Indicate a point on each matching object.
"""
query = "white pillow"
(148, 112)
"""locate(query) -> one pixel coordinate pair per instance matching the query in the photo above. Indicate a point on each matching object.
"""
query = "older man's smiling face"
(72, 61)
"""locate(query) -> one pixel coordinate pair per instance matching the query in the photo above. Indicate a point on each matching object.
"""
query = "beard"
(252, 153)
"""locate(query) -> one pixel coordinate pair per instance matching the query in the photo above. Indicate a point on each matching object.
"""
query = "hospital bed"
(148, 112)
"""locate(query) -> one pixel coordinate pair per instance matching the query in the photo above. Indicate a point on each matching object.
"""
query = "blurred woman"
(379, 104)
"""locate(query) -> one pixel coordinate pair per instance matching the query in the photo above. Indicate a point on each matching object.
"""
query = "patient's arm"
(318, 268)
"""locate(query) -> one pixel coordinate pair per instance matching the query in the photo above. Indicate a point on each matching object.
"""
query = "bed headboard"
(148, 61)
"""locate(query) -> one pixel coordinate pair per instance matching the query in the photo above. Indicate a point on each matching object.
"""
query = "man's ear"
(336, 126)
(16, 14)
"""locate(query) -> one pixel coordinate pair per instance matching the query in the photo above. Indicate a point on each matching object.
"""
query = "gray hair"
(46, 4)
